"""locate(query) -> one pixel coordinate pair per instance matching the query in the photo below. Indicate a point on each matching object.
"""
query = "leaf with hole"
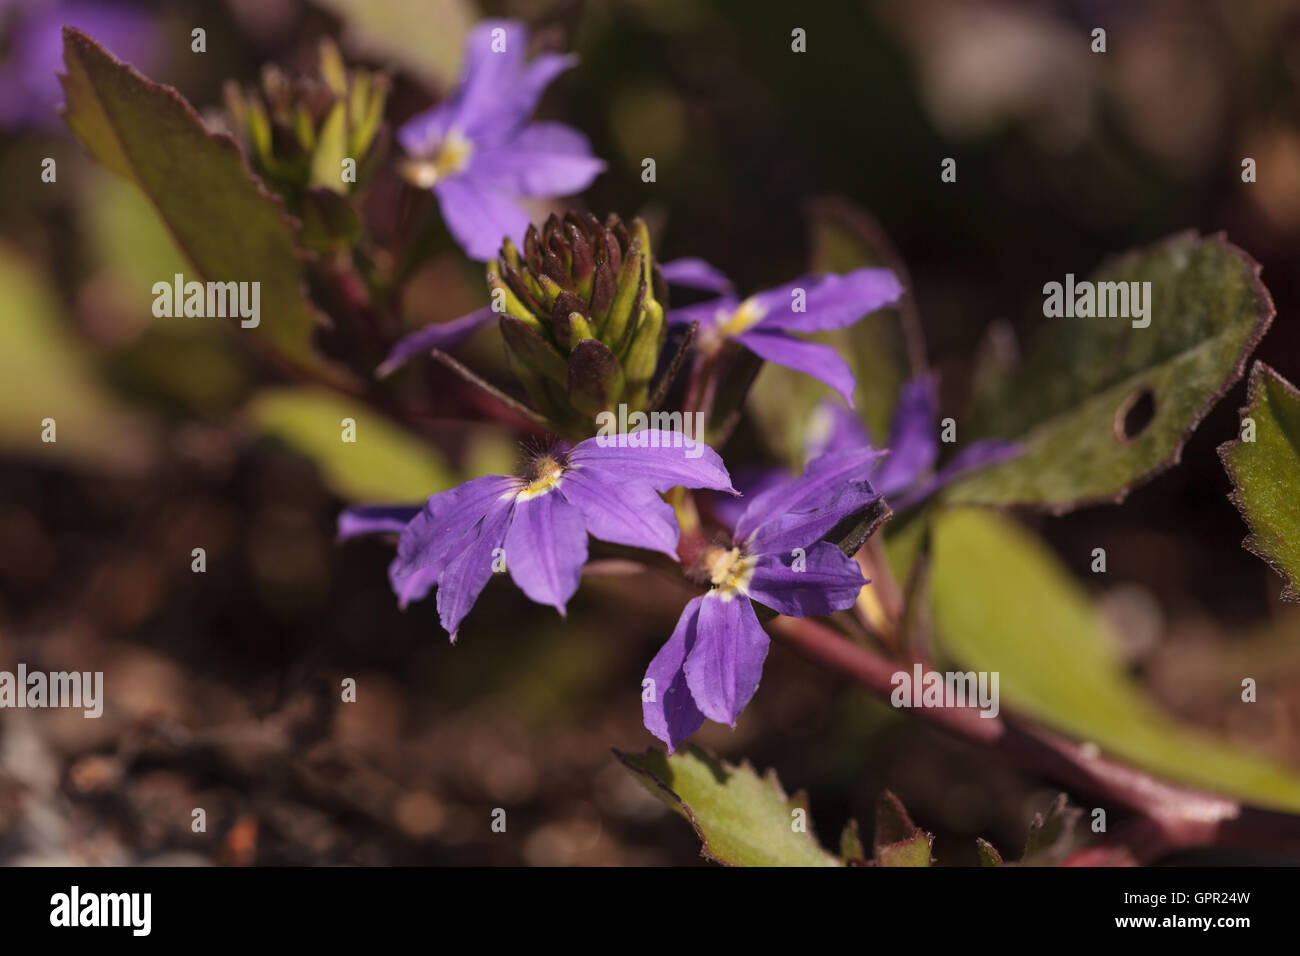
(1101, 406)
(741, 818)
(1264, 466)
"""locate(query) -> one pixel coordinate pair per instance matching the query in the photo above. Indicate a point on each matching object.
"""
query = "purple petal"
(819, 361)
(478, 215)
(497, 91)
(33, 51)
(653, 458)
(801, 529)
(705, 313)
(725, 664)
(424, 132)
(751, 481)
(829, 581)
(545, 159)
(980, 454)
(375, 519)
(546, 548)
(471, 565)
(913, 443)
(831, 484)
(833, 427)
(442, 336)
(412, 586)
(829, 302)
(448, 521)
(695, 274)
(671, 714)
(624, 513)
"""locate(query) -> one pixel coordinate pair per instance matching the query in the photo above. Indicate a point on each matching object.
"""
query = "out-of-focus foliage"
(1002, 602)
(46, 373)
(425, 37)
(384, 463)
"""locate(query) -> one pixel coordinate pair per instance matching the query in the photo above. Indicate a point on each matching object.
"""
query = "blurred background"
(222, 687)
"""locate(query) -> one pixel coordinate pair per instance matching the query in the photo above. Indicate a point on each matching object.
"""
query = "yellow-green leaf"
(384, 465)
(1001, 601)
(741, 818)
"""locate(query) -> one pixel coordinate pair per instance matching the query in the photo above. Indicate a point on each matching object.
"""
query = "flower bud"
(591, 297)
(317, 131)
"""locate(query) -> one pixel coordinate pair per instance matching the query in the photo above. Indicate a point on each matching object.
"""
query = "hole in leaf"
(1135, 413)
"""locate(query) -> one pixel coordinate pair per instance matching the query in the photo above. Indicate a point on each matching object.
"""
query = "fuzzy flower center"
(543, 475)
(451, 157)
(729, 571)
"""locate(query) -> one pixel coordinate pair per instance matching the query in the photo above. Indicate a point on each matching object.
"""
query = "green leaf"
(1052, 836)
(226, 225)
(852, 852)
(898, 841)
(884, 349)
(1001, 601)
(385, 465)
(741, 818)
(425, 37)
(988, 853)
(914, 851)
(45, 373)
(1069, 403)
(1265, 474)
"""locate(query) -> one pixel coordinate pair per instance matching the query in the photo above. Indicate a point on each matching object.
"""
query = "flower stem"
(1169, 816)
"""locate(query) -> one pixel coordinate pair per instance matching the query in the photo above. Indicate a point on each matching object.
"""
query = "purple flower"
(763, 323)
(479, 153)
(904, 476)
(712, 664)
(31, 34)
(536, 526)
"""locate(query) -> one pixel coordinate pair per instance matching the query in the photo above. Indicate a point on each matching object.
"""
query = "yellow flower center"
(729, 571)
(452, 156)
(544, 475)
(746, 316)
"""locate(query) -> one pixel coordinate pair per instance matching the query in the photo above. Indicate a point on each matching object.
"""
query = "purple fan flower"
(31, 34)
(764, 322)
(478, 152)
(905, 475)
(712, 664)
(536, 526)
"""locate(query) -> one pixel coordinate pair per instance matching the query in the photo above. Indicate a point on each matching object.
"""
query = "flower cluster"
(583, 314)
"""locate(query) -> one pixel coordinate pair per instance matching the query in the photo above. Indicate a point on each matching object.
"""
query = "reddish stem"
(1168, 816)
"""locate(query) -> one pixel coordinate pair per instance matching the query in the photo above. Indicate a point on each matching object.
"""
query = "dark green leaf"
(1265, 474)
(226, 225)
